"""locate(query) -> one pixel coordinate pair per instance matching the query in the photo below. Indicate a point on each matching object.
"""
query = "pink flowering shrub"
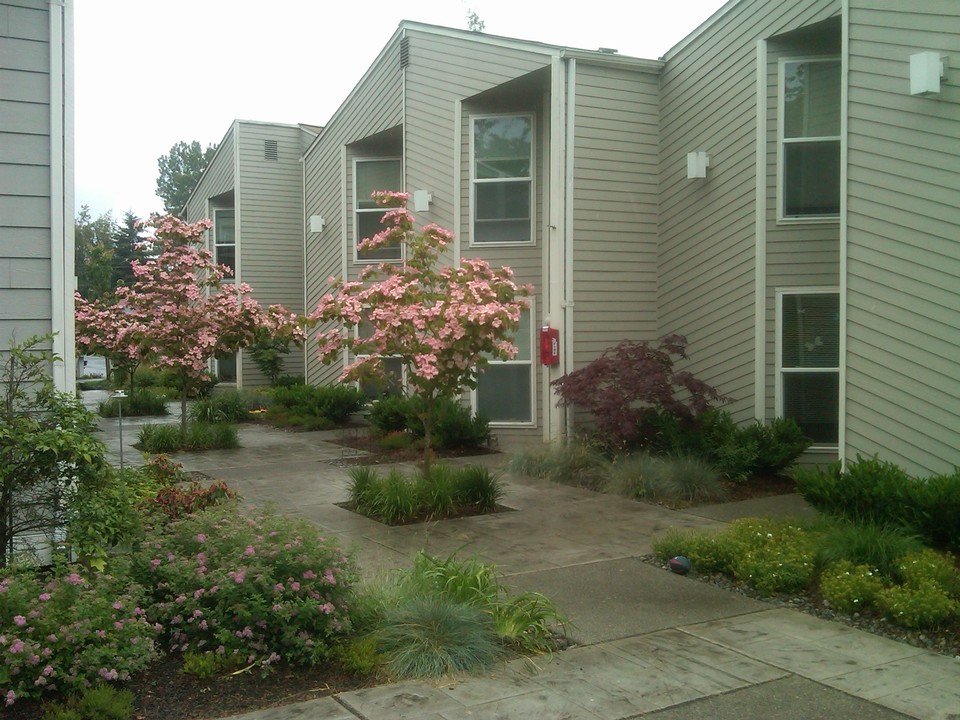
(442, 323)
(68, 631)
(258, 589)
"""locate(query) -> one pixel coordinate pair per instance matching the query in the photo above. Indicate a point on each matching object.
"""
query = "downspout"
(568, 300)
(63, 280)
(843, 285)
(303, 220)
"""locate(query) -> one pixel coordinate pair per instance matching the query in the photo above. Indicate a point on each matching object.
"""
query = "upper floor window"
(501, 179)
(370, 175)
(225, 240)
(809, 138)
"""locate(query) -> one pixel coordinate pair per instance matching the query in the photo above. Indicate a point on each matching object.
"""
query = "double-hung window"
(225, 240)
(808, 362)
(369, 175)
(504, 393)
(809, 125)
(501, 179)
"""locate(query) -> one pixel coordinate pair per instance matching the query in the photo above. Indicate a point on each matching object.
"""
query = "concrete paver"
(652, 644)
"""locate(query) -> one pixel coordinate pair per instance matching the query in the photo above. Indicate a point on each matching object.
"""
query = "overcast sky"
(149, 74)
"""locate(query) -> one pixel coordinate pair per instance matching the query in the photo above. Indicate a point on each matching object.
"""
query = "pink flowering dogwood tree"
(442, 323)
(178, 313)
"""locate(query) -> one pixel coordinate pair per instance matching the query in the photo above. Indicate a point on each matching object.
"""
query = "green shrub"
(231, 406)
(389, 414)
(103, 514)
(141, 402)
(850, 587)
(160, 438)
(525, 621)
(879, 546)
(211, 436)
(438, 489)
(921, 605)
(257, 588)
(879, 492)
(332, 403)
(476, 485)
(61, 712)
(401, 440)
(454, 426)
(433, 636)
(363, 487)
(394, 498)
(289, 381)
(779, 442)
(200, 436)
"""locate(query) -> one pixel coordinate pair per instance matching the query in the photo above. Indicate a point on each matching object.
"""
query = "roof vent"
(404, 53)
(270, 150)
(608, 51)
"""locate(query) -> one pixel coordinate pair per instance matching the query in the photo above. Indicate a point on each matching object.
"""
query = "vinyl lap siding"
(373, 106)
(217, 179)
(269, 205)
(25, 183)
(615, 208)
(707, 253)
(903, 323)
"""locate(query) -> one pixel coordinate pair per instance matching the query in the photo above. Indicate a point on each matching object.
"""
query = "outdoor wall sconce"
(927, 69)
(697, 164)
(316, 223)
(422, 200)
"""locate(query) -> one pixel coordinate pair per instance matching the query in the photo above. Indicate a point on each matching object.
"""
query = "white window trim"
(783, 219)
(235, 278)
(532, 362)
(356, 226)
(778, 353)
(532, 180)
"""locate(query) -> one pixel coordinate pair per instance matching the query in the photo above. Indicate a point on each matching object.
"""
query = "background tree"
(443, 323)
(176, 313)
(180, 171)
(93, 253)
(474, 23)
(127, 247)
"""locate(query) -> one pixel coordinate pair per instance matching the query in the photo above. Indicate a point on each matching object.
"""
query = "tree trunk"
(183, 406)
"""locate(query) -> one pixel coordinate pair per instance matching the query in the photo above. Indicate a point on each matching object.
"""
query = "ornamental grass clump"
(260, 588)
(62, 632)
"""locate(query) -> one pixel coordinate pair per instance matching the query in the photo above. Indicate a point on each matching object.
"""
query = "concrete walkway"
(650, 644)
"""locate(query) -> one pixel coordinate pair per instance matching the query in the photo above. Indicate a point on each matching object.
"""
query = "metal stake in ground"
(119, 395)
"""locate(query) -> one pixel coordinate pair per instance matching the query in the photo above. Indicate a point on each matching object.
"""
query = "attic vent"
(270, 150)
(404, 53)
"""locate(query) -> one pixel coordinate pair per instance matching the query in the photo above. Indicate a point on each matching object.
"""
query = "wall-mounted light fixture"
(927, 69)
(697, 164)
(422, 200)
(316, 223)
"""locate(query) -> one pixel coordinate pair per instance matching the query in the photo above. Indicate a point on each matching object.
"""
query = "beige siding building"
(252, 191)
(36, 178)
(777, 188)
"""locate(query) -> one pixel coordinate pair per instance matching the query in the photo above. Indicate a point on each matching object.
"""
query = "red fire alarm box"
(549, 346)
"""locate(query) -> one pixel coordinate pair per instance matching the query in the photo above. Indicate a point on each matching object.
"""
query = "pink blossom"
(19, 620)
(44, 596)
